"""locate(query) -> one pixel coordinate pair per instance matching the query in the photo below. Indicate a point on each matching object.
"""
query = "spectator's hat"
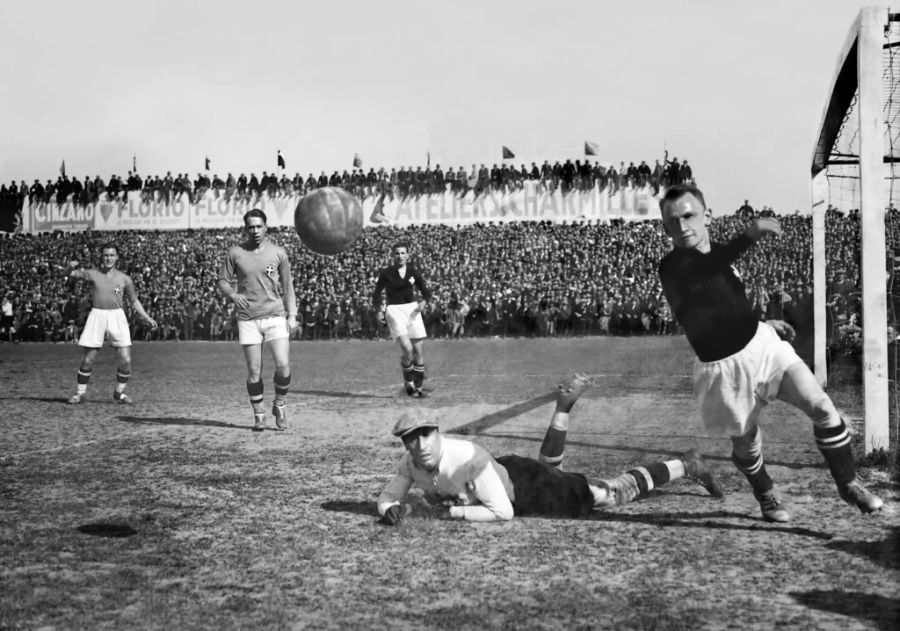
(411, 421)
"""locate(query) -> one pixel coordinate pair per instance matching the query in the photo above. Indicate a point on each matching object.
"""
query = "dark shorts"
(544, 490)
(6, 322)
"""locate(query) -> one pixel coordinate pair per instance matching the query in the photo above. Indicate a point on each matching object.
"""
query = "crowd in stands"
(402, 182)
(506, 279)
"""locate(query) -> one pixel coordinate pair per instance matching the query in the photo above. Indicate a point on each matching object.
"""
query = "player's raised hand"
(763, 225)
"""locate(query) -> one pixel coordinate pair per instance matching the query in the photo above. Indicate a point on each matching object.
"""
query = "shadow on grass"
(685, 520)
(879, 610)
(342, 395)
(486, 422)
(42, 399)
(105, 529)
(706, 521)
(885, 552)
(185, 422)
(355, 507)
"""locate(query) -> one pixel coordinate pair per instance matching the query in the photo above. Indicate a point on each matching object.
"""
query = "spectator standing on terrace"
(462, 480)
(36, 192)
(107, 320)
(403, 315)
(7, 328)
(741, 364)
(256, 276)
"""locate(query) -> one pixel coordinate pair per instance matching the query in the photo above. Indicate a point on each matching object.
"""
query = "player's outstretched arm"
(389, 501)
(229, 291)
(762, 226)
(75, 271)
(494, 503)
(143, 313)
(287, 291)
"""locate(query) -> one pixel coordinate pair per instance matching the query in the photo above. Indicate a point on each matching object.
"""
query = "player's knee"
(749, 445)
(823, 413)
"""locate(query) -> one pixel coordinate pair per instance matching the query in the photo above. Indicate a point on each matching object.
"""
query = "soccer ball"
(328, 220)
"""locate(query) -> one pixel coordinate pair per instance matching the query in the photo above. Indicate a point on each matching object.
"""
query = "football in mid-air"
(328, 220)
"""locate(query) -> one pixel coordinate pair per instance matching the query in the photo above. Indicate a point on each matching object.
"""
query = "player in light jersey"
(742, 364)
(256, 276)
(465, 482)
(111, 289)
(404, 315)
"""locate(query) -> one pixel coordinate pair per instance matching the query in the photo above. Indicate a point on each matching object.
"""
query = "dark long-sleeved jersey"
(399, 289)
(708, 298)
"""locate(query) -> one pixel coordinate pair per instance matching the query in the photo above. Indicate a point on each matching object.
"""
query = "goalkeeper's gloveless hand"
(391, 516)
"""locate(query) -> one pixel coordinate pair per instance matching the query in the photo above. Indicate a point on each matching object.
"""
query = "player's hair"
(678, 191)
(400, 244)
(108, 245)
(256, 212)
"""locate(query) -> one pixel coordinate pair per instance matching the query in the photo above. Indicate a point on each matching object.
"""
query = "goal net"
(856, 229)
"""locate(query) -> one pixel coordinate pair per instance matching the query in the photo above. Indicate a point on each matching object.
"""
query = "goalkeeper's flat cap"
(411, 421)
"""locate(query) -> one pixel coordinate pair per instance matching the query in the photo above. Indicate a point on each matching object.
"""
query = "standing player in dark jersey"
(404, 315)
(107, 320)
(742, 364)
(256, 276)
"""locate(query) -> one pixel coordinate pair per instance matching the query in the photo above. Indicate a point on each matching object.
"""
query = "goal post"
(853, 146)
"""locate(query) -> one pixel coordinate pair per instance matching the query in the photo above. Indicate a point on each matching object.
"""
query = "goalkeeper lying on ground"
(465, 482)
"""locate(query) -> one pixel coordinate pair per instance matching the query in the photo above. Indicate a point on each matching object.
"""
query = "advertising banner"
(530, 203)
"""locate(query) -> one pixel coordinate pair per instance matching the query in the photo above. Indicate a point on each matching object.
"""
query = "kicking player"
(742, 364)
(256, 276)
(467, 483)
(107, 318)
(404, 315)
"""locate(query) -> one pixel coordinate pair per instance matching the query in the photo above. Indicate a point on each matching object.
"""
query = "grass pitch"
(171, 513)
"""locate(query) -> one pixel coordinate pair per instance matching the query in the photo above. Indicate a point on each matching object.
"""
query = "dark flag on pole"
(134, 163)
(357, 161)
(590, 148)
(507, 154)
(280, 160)
(62, 168)
(207, 163)
(428, 161)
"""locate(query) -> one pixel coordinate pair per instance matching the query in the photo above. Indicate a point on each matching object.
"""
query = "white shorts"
(733, 391)
(405, 320)
(262, 330)
(103, 324)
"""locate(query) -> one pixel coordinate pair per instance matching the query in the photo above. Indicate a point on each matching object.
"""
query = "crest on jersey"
(412, 281)
(117, 290)
(270, 271)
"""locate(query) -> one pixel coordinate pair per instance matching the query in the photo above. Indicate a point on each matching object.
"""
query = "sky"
(737, 88)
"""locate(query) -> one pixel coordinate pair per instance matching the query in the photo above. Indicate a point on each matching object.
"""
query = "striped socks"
(282, 384)
(84, 377)
(122, 379)
(255, 390)
(834, 443)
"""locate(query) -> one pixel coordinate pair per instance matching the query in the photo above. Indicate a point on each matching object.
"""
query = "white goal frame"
(860, 65)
